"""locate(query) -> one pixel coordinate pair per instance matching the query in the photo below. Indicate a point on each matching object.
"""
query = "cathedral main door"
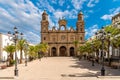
(54, 51)
(63, 51)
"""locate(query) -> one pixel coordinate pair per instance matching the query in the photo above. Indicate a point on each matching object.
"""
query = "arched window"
(44, 38)
(81, 38)
(62, 28)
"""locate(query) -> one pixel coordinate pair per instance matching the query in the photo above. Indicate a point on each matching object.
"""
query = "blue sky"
(26, 15)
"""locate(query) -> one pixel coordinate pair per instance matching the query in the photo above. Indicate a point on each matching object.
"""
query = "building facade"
(61, 40)
(116, 20)
(4, 41)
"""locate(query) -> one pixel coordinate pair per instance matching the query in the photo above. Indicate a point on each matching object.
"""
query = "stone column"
(58, 51)
(50, 51)
(68, 53)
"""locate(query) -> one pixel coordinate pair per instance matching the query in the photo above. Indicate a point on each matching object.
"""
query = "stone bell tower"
(80, 28)
(44, 27)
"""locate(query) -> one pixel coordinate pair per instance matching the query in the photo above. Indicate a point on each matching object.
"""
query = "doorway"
(63, 51)
(72, 51)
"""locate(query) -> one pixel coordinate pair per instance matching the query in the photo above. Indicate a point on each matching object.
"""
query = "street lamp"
(26, 50)
(15, 38)
(101, 35)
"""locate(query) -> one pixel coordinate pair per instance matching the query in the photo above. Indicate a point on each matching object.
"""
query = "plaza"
(59, 40)
(59, 68)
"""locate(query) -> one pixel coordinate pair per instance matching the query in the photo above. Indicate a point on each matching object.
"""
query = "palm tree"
(43, 47)
(32, 52)
(10, 49)
(25, 49)
(97, 45)
(20, 46)
(114, 31)
(76, 42)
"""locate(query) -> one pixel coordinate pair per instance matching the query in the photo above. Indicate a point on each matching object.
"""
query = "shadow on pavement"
(88, 74)
(93, 70)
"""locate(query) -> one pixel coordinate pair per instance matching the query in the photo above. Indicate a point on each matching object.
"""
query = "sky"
(26, 15)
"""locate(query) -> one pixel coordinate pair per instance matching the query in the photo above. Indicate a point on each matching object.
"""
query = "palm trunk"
(20, 56)
(11, 56)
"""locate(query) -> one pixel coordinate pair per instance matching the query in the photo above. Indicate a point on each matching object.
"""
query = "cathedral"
(61, 40)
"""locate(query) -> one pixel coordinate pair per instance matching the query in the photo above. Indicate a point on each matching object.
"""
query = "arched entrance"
(63, 51)
(54, 51)
(72, 51)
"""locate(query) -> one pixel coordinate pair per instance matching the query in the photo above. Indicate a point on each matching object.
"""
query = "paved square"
(59, 68)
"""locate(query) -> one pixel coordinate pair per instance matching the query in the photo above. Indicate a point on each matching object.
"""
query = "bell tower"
(44, 27)
(44, 22)
(80, 32)
(80, 23)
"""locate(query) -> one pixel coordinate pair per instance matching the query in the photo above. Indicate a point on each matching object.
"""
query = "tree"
(115, 41)
(20, 46)
(25, 48)
(10, 49)
(97, 45)
(43, 47)
(32, 52)
(82, 49)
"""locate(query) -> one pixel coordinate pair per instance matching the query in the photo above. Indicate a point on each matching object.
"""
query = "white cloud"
(107, 17)
(61, 2)
(92, 3)
(22, 14)
(44, 4)
(35, 38)
(78, 4)
(54, 1)
(67, 14)
(113, 12)
(91, 30)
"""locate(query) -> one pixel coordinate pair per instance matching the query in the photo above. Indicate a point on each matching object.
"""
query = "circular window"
(63, 37)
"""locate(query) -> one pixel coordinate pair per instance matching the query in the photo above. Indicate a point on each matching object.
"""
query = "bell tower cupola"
(44, 15)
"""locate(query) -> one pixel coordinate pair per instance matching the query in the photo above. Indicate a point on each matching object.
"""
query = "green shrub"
(12, 62)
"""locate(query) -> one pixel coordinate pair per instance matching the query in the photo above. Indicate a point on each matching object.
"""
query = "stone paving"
(59, 68)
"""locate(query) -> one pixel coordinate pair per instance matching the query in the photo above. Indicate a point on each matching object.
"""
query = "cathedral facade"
(61, 40)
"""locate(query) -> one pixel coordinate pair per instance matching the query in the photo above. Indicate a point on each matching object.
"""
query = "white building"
(116, 20)
(4, 41)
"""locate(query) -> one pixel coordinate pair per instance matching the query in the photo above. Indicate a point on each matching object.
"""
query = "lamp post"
(25, 50)
(14, 37)
(101, 36)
